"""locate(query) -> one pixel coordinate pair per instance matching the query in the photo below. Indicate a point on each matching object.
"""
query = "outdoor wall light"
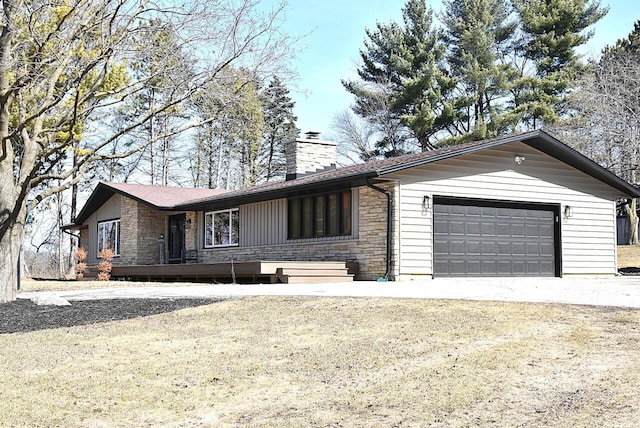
(519, 159)
(426, 202)
(568, 211)
(187, 224)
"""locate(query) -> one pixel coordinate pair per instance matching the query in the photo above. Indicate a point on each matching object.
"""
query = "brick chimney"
(306, 156)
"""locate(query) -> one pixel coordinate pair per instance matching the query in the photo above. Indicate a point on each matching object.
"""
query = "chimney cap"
(312, 135)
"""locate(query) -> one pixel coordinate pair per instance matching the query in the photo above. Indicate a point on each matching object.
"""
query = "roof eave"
(353, 180)
(544, 142)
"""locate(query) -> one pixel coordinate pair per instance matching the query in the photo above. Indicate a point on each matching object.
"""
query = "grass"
(289, 362)
(628, 256)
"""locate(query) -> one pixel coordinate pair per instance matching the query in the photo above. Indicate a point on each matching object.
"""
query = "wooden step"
(317, 274)
(314, 279)
(270, 267)
(343, 271)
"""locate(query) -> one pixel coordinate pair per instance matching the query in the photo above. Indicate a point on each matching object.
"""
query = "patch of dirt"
(24, 316)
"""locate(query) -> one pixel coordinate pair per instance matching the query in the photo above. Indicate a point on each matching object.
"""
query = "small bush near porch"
(277, 362)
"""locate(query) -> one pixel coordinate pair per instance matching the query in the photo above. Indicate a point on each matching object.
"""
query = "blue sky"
(335, 33)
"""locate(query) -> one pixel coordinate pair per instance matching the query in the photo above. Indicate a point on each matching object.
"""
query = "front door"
(176, 238)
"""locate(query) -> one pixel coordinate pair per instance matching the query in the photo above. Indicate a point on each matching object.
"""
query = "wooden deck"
(247, 272)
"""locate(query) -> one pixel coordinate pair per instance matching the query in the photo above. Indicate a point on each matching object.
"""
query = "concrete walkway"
(622, 291)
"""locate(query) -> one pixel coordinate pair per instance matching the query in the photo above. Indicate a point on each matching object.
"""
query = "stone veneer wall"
(368, 249)
(305, 156)
(128, 232)
(140, 228)
(151, 224)
(190, 238)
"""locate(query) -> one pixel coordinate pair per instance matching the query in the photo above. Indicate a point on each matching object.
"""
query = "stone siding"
(140, 228)
(308, 156)
(368, 249)
(190, 234)
(128, 232)
(151, 224)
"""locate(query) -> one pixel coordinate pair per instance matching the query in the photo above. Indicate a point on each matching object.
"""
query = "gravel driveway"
(620, 291)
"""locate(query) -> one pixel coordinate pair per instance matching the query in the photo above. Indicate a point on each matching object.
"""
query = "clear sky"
(335, 33)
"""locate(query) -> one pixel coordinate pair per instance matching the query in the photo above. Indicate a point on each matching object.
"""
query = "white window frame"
(209, 230)
(100, 242)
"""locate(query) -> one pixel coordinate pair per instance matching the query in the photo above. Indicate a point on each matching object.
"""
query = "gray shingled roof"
(178, 198)
(157, 197)
(357, 175)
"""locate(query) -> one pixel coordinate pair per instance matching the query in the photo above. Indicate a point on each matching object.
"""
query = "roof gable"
(157, 197)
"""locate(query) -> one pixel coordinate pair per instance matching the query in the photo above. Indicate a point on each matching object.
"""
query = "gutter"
(389, 227)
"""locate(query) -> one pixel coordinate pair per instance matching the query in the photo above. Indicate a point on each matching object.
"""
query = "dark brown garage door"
(494, 238)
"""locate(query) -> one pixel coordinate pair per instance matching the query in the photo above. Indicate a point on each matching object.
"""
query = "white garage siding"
(588, 237)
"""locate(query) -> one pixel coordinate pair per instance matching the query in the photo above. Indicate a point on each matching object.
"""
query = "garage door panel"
(532, 230)
(546, 231)
(489, 229)
(493, 240)
(518, 267)
(440, 226)
(518, 230)
(489, 248)
(532, 249)
(473, 228)
(488, 212)
(518, 249)
(456, 227)
(458, 248)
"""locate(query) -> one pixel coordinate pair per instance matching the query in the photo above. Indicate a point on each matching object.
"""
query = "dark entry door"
(495, 238)
(176, 238)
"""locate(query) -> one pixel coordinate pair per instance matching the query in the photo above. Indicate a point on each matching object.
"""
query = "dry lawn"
(628, 256)
(290, 362)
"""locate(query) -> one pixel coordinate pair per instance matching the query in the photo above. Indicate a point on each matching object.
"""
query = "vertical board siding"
(263, 223)
(588, 237)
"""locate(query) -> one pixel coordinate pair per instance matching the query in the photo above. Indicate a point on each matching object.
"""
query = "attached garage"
(519, 206)
(473, 237)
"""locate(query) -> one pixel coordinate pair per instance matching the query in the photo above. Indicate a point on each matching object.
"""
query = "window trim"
(345, 222)
(117, 245)
(213, 213)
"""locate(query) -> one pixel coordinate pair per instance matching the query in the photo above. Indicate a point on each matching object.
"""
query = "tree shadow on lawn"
(24, 316)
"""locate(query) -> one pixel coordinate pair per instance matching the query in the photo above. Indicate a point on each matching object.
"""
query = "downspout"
(389, 226)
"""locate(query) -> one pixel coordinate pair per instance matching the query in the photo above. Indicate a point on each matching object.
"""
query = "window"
(221, 228)
(320, 215)
(109, 236)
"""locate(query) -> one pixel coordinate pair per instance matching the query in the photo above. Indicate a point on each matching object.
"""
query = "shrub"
(104, 267)
(81, 266)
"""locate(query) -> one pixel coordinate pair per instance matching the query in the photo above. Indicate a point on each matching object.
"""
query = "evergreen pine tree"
(400, 90)
(479, 34)
(551, 32)
(279, 127)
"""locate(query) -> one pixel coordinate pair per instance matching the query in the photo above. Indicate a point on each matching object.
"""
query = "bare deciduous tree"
(356, 138)
(65, 66)
(606, 119)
